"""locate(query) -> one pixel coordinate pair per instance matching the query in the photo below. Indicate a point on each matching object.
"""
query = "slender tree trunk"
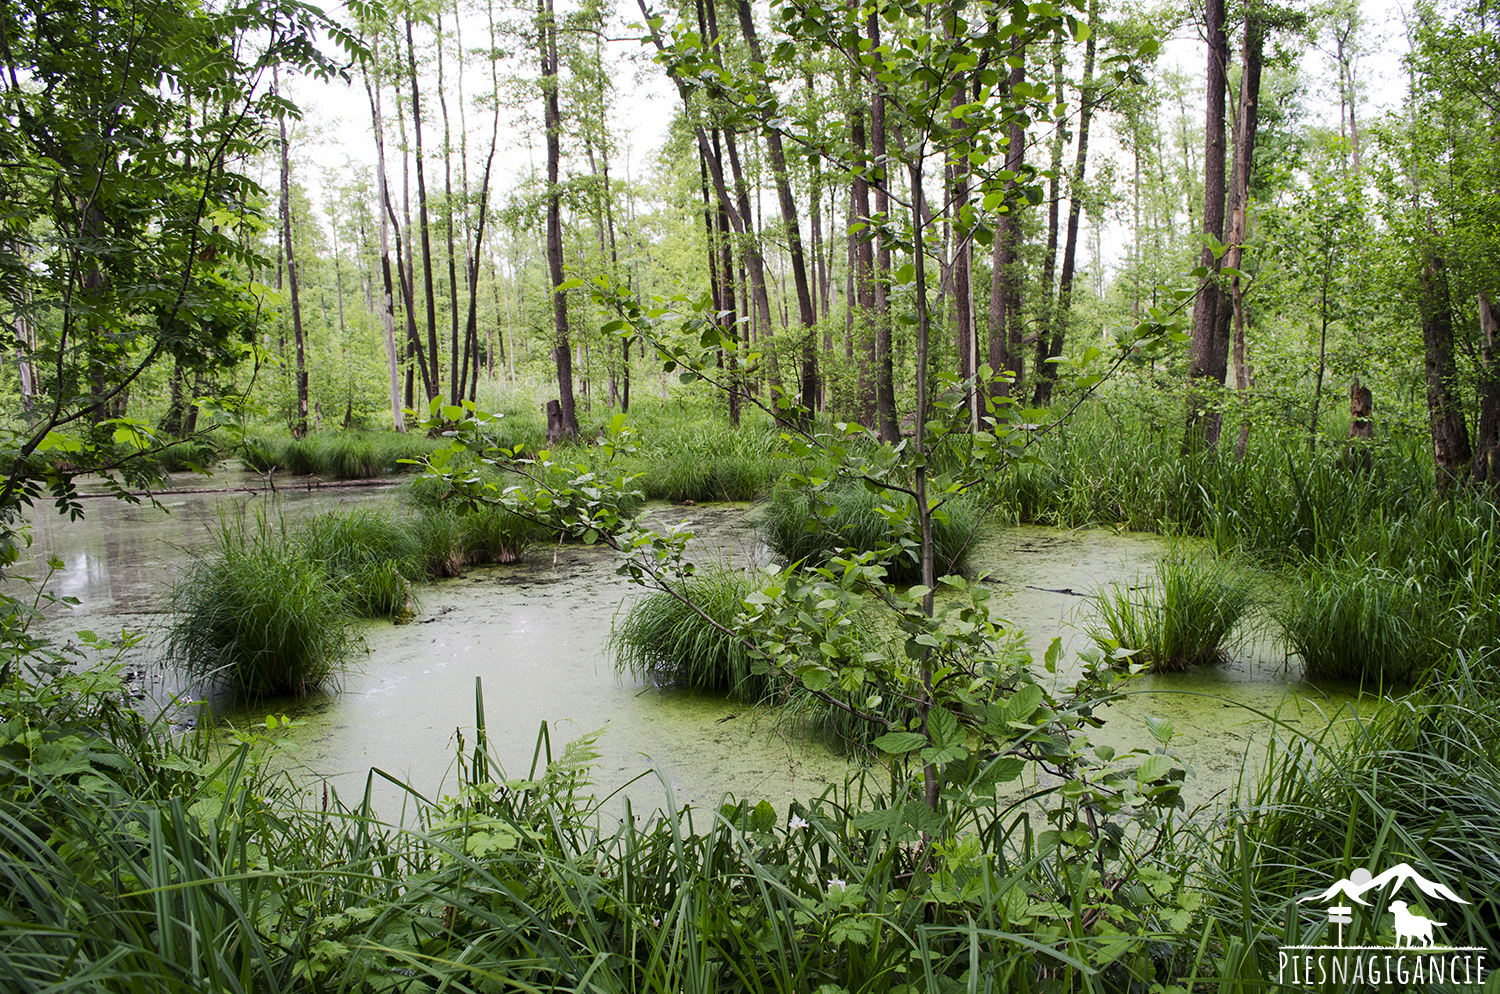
(433, 385)
(566, 425)
(885, 380)
(1208, 358)
(455, 388)
(1487, 430)
(1246, 122)
(1046, 372)
(931, 782)
(1005, 277)
(1450, 433)
(300, 427)
(793, 232)
(862, 276)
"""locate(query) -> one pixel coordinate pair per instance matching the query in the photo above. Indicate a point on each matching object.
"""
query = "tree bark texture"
(1208, 355)
(567, 417)
(1487, 432)
(1450, 433)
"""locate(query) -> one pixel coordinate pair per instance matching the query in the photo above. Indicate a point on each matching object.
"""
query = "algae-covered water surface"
(533, 636)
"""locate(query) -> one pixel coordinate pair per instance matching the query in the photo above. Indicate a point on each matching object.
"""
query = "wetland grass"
(1355, 621)
(663, 640)
(259, 614)
(1180, 617)
(1418, 783)
(368, 554)
(799, 526)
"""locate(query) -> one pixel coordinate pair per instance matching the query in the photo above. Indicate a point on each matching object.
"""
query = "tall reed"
(1181, 616)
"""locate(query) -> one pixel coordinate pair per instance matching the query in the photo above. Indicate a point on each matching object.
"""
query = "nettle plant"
(958, 709)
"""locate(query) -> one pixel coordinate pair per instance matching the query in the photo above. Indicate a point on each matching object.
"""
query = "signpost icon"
(1340, 915)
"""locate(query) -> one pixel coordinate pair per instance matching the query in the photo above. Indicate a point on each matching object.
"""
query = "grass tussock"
(260, 615)
(814, 528)
(1350, 621)
(1181, 616)
(661, 639)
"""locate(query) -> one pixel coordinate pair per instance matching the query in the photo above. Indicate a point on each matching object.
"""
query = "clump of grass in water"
(370, 556)
(440, 537)
(797, 526)
(1181, 617)
(663, 639)
(348, 456)
(260, 615)
(492, 534)
(1352, 621)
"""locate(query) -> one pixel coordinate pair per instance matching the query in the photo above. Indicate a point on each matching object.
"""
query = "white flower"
(655, 921)
(836, 883)
(796, 822)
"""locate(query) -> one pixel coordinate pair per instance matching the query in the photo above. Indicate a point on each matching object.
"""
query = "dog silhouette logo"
(1419, 956)
(1411, 926)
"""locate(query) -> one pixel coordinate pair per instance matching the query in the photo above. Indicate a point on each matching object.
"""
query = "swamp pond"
(535, 633)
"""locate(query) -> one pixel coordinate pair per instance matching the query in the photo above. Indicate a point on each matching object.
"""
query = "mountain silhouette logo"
(1361, 882)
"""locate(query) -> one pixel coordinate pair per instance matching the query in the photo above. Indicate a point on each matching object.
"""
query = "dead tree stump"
(555, 428)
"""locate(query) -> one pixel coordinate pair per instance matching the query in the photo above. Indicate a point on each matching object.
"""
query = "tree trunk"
(552, 115)
(1005, 278)
(1450, 433)
(793, 232)
(1208, 357)
(1246, 122)
(885, 380)
(455, 386)
(1062, 311)
(1487, 433)
(300, 427)
(433, 385)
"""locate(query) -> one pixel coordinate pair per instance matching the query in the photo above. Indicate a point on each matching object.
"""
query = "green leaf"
(899, 743)
(1154, 768)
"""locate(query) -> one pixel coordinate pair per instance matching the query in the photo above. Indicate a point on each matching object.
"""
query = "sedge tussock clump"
(259, 614)
(1181, 617)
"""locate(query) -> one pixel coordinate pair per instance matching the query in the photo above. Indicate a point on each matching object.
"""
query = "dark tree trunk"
(1487, 433)
(1054, 338)
(1005, 277)
(299, 428)
(862, 275)
(434, 386)
(885, 380)
(1208, 357)
(1450, 433)
(552, 114)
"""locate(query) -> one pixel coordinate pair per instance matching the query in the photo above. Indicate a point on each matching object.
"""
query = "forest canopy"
(836, 179)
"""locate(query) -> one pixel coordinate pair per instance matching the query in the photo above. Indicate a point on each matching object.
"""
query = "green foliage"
(259, 615)
(815, 526)
(1180, 617)
(1356, 621)
(1416, 784)
(367, 554)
